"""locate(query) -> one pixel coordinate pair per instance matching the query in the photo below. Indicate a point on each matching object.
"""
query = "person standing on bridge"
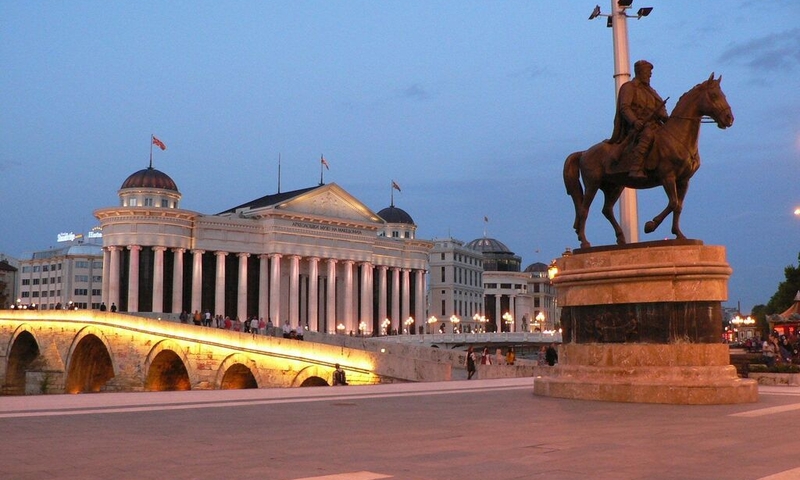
(486, 359)
(470, 363)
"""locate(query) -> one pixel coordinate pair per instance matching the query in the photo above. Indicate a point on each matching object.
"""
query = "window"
(26, 269)
(81, 291)
(82, 264)
(36, 281)
(44, 293)
(97, 278)
(81, 278)
(26, 294)
(148, 202)
(442, 274)
(37, 268)
(132, 202)
(442, 255)
(97, 264)
(164, 203)
(26, 281)
(45, 268)
(96, 291)
(35, 294)
(44, 281)
(443, 310)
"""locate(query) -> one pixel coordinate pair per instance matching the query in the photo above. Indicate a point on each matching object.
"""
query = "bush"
(779, 368)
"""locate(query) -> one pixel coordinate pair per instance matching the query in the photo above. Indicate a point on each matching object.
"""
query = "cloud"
(775, 52)
(415, 92)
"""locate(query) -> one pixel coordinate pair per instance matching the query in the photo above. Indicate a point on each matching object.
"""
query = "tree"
(784, 297)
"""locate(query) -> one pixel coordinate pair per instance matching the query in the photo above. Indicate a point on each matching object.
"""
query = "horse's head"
(713, 102)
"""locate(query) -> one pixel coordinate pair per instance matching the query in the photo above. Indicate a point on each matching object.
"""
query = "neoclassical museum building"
(316, 257)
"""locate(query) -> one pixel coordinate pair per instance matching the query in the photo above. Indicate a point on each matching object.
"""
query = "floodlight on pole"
(629, 215)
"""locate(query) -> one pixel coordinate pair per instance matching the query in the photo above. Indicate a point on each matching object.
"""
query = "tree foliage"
(787, 290)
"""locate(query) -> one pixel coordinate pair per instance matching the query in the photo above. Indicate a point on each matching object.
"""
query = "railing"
(469, 338)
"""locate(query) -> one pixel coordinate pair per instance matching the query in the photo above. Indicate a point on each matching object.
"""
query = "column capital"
(263, 256)
(332, 261)
(242, 255)
(113, 248)
(134, 247)
(220, 253)
(159, 249)
(313, 259)
(365, 264)
(179, 250)
(276, 256)
(197, 251)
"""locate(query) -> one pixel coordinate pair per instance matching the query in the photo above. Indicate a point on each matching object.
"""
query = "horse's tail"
(572, 177)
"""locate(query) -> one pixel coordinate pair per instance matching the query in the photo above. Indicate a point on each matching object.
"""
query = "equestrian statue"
(648, 148)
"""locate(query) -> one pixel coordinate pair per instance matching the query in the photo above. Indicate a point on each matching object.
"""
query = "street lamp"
(409, 321)
(431, 320)
(362, 327)
(539, 323)
(629, 216)
(340, 328)
(509, 319)
(455, 320)
(385, 326)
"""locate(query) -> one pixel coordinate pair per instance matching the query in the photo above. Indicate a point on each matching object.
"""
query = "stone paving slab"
(451, 430)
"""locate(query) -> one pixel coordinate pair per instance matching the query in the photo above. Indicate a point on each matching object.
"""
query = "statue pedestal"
(643, 323)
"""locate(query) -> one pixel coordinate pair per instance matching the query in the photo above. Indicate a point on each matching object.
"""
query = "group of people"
(254, 325)
(547, 355)
(779, 348)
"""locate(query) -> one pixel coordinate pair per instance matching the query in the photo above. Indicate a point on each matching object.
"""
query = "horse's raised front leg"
(672, 203)
(612, 195)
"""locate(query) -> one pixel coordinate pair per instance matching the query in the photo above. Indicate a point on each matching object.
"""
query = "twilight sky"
(470, 106)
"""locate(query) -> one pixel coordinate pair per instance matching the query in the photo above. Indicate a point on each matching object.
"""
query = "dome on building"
(150, 178)
(395, 215)
(536, 267)
(488, 245)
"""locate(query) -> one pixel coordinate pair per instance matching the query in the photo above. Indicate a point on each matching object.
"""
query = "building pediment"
(330, 202)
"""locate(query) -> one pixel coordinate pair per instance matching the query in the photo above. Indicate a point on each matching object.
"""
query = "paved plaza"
(493, 429)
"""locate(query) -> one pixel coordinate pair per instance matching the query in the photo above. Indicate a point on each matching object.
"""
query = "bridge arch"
(89, 362)
(238, 371)
(313, 376)
(23, 350)
(166, 368)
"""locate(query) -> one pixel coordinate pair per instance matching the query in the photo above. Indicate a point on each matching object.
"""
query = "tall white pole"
(628, 208)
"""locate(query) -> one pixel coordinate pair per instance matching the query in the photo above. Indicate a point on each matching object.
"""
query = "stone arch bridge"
(63, 351)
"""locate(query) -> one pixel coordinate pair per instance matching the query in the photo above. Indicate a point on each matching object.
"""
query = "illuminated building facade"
(70, 275)
(316, 257)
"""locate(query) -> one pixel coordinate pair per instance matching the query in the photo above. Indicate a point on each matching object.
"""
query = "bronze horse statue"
(671, 162)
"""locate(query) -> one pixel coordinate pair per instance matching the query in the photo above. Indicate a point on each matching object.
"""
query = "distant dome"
(536, 267)
(150, 178)
(488, 245)
(395, 215)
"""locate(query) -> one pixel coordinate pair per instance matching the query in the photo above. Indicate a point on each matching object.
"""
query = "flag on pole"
(322, 161)
(396, 186)
(158, 143)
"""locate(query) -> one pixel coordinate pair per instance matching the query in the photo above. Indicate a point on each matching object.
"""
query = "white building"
(315, 257)
(70, 275)
(456, 284)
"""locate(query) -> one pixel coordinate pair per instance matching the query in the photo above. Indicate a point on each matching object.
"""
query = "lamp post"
(509, 319)
(340, 328)
(385, 325)
(617, 20)
(455, 320)
(362, 327)
(539, 322)
(431, 321)
(409, 321)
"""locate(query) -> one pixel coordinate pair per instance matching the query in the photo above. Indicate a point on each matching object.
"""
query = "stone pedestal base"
(681, 374)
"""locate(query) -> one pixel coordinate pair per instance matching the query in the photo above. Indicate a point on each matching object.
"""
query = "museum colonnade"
(323, 294)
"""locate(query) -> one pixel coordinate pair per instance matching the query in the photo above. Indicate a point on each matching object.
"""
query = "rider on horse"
(639, 108)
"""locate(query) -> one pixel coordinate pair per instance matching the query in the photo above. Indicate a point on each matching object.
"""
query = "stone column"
(133, 279)
(177, 280)
(294, 290)
(396, 321)
(219, 284)
(349, 317)
(382, 293)
(313, 294)
(366, 295)
(275, 290)
(330, 309)
(263, 287)
(512, 309)
(419, 300)
(498, 312)
(406, 297)
(158, 279)
(106, 275)
(113, 273)
(241, 304)
(197, 280)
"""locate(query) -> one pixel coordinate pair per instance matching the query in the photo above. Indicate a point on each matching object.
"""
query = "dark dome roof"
(395, 215)
(150, 178)
(488, 245)
(536, 267)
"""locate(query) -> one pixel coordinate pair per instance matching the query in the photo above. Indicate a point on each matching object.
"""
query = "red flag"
(158, 143)
(322, 160)
(396, 186)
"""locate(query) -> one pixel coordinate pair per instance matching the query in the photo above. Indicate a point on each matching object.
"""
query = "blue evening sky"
(470, 106)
